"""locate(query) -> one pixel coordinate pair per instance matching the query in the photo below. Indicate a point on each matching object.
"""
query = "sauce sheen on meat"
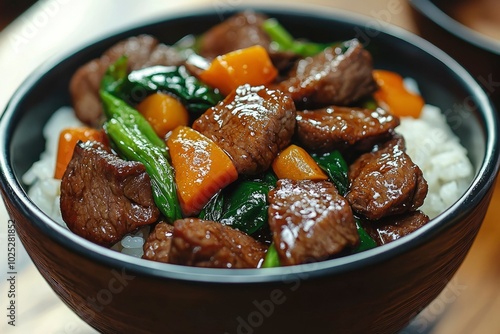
(203, 243)
(310, 221)
(333, 77)
(240, 31)
(344, 128)
(392, 228)
(104, 197)
(386, 182)
(157, 245)
(252, 125)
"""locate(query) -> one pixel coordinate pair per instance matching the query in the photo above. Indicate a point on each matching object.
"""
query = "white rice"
(429, 141)
(434, 147)
(44, 189)
(437, 151)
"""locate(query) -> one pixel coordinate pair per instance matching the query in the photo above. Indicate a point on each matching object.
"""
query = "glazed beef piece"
(157, 246)
(394, 227)
(104, 197)
(339, 75)
(203, 243)
(386, 182)
(142, 51)
(310, 221)
(342, 128)
(252, 124)
(240, 31)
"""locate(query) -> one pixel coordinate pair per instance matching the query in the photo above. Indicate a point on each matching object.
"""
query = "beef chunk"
(157, 246)
(252, 124)
(203, 243)
(162, 54)
(341, 128)
(240, 31)
(310, 221)
(104, 197)
(339, 75)
(142, 51)
(394, 227)
(386, 182)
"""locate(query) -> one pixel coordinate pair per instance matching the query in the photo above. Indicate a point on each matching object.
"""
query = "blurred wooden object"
(474, 293)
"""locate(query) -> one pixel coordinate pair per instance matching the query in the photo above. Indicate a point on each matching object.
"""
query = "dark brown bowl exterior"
(377, 291)
(378, 298)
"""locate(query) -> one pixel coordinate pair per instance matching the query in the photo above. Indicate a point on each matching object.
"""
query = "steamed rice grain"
(44, 190)
(437, 151)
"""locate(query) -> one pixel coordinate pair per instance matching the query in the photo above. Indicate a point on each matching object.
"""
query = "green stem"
(134, 144)
(271, 259)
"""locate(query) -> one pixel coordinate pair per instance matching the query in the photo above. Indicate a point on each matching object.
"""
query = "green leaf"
(271, 259)
(115, 75)
(246, 206)
(196, 96)
(365, 240)
(213, 209)
(285, 41)
(336, 168)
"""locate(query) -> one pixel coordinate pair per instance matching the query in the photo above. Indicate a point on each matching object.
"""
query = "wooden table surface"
(469, 304)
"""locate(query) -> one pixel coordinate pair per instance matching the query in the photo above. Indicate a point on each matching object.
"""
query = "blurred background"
(468, 30)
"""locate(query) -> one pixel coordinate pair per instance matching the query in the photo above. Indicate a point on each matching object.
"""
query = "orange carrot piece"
(251, 65)
(163, 112)
(393, 95)
(201, 168)
(295, 163)
(67, 142)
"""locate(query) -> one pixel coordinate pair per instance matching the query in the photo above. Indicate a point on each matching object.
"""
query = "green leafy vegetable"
(268, 178)
(365, 240)
(336, 167)
(137, 85)
(271, 259)
(285, 41)
(370, 104)
(246, 207)
(135, 140)
(115, 75)
(243, 205)
(188, 44)
(213, 209)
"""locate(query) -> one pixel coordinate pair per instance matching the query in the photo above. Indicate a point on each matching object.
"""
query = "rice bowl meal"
(349, 178)
(320, 116)
(444, 163)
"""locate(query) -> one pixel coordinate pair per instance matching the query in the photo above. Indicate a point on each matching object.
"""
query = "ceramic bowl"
(436, 11)
(377, 291)
(477, 52)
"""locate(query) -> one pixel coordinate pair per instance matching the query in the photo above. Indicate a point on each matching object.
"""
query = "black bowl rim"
(439, 17)
(17, 197)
